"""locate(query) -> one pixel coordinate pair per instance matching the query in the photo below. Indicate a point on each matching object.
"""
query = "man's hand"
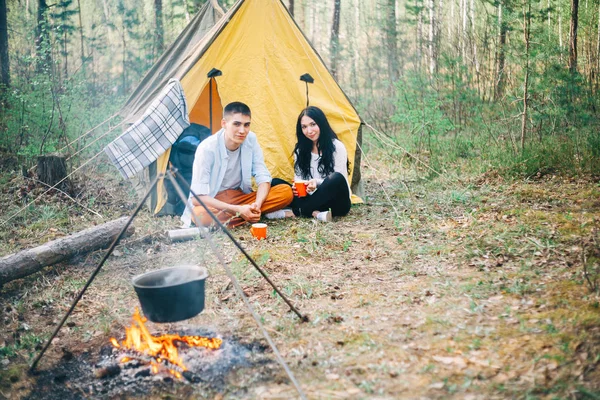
(250, 212)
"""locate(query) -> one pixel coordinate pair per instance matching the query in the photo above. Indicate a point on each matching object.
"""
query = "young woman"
(321, 160)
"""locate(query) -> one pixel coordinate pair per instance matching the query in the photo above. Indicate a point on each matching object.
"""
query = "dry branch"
(27, 262)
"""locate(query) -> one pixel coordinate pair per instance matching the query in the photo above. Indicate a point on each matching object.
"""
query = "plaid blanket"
(151, 135)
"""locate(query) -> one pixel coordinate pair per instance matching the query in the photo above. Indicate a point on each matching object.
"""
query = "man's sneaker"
(324, 216)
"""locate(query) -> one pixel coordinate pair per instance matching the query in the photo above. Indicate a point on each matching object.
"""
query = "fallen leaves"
(457, 362)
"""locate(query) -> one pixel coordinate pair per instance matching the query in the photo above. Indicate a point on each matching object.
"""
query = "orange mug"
(259, 231)
(301, 188)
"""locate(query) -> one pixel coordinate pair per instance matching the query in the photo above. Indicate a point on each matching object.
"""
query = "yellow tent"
(261, 53)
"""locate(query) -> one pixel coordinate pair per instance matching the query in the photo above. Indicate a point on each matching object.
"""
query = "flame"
(162, 347)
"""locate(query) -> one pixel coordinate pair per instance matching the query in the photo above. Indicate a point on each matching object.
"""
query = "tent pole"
(210, 103)
(212, 74)
(306, 78)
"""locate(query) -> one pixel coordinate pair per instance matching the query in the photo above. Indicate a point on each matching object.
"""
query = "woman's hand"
(311, 186)
(294, 191)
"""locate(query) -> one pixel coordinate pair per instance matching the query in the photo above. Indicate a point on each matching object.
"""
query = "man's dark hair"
(236, 108)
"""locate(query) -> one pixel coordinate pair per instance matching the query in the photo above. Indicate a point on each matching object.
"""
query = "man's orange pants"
(279, 196)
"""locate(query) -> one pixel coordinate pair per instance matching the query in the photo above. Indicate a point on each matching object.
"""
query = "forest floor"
(464, 288)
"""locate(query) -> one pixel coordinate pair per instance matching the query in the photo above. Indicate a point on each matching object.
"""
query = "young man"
(223, 167)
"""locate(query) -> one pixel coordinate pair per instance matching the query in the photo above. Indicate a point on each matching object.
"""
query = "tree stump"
(52, 169)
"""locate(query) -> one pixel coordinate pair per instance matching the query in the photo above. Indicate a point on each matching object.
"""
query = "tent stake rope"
(83, 136)
(92, 130)
(54, 187)
(206, 235)
(95, 140)
(382, 138)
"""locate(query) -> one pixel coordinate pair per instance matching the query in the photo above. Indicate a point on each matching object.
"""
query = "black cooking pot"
(171, 294)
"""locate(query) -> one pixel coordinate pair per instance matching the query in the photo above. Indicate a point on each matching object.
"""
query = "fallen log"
(27, 262)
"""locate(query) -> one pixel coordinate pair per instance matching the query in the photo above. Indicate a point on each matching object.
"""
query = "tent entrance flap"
(201, 110)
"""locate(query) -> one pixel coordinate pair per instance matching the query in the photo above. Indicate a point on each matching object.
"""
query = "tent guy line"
(391, 143)
(51, 188)
(95, 140)
(83, 135)
(72, 173)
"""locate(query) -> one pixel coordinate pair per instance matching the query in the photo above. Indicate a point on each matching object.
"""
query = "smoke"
(172, 276)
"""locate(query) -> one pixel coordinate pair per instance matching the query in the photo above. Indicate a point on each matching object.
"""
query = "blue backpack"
(182, 158)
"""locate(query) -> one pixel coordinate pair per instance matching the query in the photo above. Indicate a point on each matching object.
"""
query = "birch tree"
(474, 37)
(431, 42)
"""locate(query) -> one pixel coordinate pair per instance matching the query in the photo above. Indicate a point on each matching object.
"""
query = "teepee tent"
(259, 54)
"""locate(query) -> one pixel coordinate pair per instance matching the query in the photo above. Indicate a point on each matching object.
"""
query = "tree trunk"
(81, 35)
(392, 40)
(42, 38)
(4, 60)
(27, 262)
(355, 47)
(431, 44)
(419, 39)
(186, 11)
(334, 46)
(66, 54)
(573, 37)
(474, 46)
(124, 75)
(560, 38)
(526, 32)
(160, 32)
(463, 32)
(549, 22)
(291, 8)
(500, 79)
(597, 51)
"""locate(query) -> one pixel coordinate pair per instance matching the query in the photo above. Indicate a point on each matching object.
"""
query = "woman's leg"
(279, 181)
(332, 194)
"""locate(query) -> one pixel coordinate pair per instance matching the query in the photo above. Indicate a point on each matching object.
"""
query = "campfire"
(161, 351)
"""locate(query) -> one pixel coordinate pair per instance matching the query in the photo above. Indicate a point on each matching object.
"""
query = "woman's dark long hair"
(304, 145)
